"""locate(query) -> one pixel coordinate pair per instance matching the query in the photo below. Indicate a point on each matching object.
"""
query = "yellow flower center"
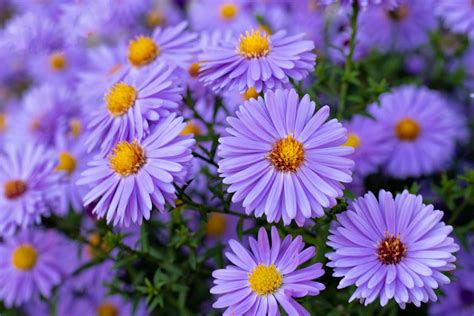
(287, 154)
(107, 309)
(216, 225)
(352, 140)
(96, 246)
(127, 158)
(75, 127)
(391, 250)
(154, 18)
(265, 279)
(57, 61)
(67, 162)
(142, 51)
(191, 129)
(254, 45)
(407, 129)
(13, 189)
(193, 70)
(251, 93)
(24, 257)
(120, 98)
(3, 122)
(228, 11)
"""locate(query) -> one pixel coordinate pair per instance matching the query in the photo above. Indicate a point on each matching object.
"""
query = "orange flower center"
(407, 129)
(14, 189)
(142, 51)
(391, 250)
(287, 154)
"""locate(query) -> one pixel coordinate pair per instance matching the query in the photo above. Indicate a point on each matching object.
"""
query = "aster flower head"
(402, 28)
(173, 44)
(257, 59)
(391, 249)
(262, 279)
(132, 105)
(209, 15)
(139, 173)
(29, 185)
(458, 15)
(420, 128)
(282, 159)
(370, 148)
(29, 265)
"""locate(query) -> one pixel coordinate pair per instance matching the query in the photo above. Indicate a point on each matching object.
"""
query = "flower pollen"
(57, 61)
(142, 51)
(127, 158)
(67, 162)
(228, 11)
(3, 122)
(154, 18)
(352, 140)
(254, 44)
(265, 280)
(107, 309)
(13, 189)
(407, 129)
(287, 154)
(120, 98)
(75, 127)
(251, 93)
(24, 257)
(193, 70)
(191, 129)
(391, 250)
(216, 225)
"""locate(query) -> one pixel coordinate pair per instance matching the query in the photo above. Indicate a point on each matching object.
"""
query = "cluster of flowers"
(99, 106)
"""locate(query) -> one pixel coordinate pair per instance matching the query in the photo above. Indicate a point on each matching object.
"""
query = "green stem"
(349, 62)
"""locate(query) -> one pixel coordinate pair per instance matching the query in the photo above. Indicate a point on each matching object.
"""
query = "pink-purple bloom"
(282, 159)
(265, 277)
(391, 249)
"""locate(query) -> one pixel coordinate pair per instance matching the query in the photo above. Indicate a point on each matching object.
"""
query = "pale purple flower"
(458, 15)
(282, 159)
(266, 277)
(391, 249)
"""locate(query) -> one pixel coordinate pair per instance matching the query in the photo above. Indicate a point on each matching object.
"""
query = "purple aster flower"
(458, 15)
(266, 277)
(139, 173)
(391, 248)
(421, 129)
(364, 3)
(370, 147)
(210, 15)
(29, 265)
(458, 298)
(132, 105)
(29, 183)
(257, 60)
(282, 159)
(172, 44)
(402, 28)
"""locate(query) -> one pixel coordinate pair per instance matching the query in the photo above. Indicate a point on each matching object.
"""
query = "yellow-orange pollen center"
(13, 189)
(24, 257)
(75, 127)
(57, 61)
(265, 280)
(287, 154)
(228, 11)
(398, 13)
(352, 140)
(96, 246)
(216, 225)
(391, 250)
(251, 93)
(193, 70)
(120, 98)
(191, 129)
(127, 158)
(154, 18)
(254, 44)
(407, 129)
(142, 51)
(107, 309)
(67, 162)
(3, 122)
